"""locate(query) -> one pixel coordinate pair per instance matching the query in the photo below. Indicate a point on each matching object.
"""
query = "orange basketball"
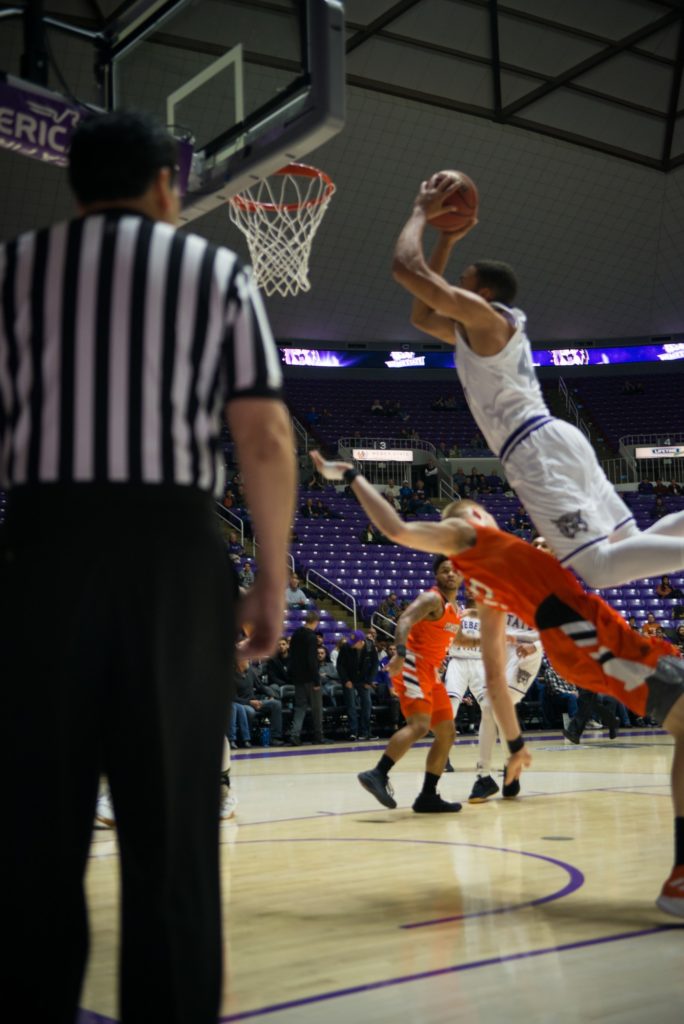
(460, 206)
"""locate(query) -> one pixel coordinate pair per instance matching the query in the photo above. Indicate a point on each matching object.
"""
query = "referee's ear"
(164, 195)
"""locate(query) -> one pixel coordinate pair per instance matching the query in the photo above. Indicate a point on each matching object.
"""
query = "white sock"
(486, 740)
(225, 763)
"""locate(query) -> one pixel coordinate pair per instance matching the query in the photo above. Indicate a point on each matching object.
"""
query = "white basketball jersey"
(502, 391)
(470, 628)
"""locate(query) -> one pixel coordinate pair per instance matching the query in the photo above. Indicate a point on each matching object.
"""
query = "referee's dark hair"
(117, 156)
(437, 561)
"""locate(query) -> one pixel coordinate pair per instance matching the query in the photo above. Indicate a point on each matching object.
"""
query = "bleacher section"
(657, 411)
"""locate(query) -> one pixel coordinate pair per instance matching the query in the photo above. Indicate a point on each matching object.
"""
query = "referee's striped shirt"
(121, 340)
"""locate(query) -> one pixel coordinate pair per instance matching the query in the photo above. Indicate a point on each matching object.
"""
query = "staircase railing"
(336, 593)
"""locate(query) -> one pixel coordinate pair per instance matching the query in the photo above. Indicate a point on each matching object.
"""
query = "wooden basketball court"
(535, 909)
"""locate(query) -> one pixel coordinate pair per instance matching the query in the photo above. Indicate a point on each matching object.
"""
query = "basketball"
(462, 204)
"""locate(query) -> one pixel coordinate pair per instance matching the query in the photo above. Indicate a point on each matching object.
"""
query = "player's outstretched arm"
(493, 644)
(449, 537)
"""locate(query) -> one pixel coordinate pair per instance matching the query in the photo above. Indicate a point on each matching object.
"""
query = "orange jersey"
(585, 639)
(430, 638)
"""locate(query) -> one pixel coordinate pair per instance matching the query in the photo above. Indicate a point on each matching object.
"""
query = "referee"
(122, 341)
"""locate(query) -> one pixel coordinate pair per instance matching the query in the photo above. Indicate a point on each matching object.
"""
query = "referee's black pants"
(116, 615)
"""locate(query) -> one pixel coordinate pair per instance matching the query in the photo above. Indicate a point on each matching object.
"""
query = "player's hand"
(434, 193)
(516, 763)
(329, 470)
(259, 615)
(451, 237)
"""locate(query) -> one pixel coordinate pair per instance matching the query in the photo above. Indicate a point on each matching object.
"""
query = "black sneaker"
(448, 767)
(510, 789)
(572, 733)
(379, 785)
(432, 803)
(483, 787)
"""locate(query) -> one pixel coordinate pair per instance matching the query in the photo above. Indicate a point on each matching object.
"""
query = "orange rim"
(300, 170)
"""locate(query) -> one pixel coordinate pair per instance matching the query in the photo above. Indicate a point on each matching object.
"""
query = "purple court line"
(258, 755)
(576, 878)
(89, 1017)
(404, 979)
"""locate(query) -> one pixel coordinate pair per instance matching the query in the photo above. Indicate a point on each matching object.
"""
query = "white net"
(279, 217)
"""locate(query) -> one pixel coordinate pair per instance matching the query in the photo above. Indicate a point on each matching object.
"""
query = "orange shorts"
(421, 691)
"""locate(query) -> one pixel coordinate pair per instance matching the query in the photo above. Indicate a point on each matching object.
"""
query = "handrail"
(571, 407)
(665, 437)
(327, 589)
(302, 433)
(232, 519)
(374, 622)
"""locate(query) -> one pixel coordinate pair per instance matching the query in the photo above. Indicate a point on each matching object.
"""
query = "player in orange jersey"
(584, 638)
(424, 633)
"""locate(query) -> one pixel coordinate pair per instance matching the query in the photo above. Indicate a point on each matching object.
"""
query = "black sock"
(679, 842)
(430, 783)
(225, 777)
(385, 764)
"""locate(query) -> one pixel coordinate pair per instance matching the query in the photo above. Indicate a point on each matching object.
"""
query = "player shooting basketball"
(549, 463)
(585, 640)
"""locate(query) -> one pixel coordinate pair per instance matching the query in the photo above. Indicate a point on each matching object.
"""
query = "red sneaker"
(671, 899)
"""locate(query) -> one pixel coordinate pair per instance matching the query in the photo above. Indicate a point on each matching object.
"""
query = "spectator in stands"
(383, 687)
(674, 487)
(631, 621)
(371, 535)
(679, 637)
(661, 488)
(390, 607)
(665, 589)
(256, 697)
(377, 408)
(357, 665)
(277, 675)
(431, 476)
(315, 483)
(234, 545)
(678, 612)
(454, 452)
(512, 525)
(494, 482)
(659, 509)
(557, 695)
(419, 504)
(450, 402)
(294, 595)
(632, 387)
(651, 626)
(391, 492)
(405, 495)
(324, 511)
(330, 681)
(308, 509)
(438, 403)
(305, 677)
(312, 417)
(335, 653)
(247, 576)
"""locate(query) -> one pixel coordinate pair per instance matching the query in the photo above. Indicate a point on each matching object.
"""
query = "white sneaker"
(228, 803)
(104, 812)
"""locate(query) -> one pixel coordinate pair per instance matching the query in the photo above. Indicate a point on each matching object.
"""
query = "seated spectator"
(256, 698)
(238, 727)
(391, 493)
(308, 510)
(315, 483)
(632, 622)
(390, 607)
(665, 589)
(377, 408)
(405, 495)
(678, 638)
(661, 488)
(438, 403)
(368, 534)
(235, 548)
(674, 487)
(295, 597)
(651, 626)
(645, 487)
(330, 681)
(419, 503)
(455, 452)
(312, 417)
(678, 612)
(324, 511)
(659, 508)
(247, 576)
(512, 525)
(277, 676)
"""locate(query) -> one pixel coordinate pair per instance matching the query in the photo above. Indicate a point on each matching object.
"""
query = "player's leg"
(428, 800)
(484, 786)
(228, 802)
(666, 705)
(456, 685)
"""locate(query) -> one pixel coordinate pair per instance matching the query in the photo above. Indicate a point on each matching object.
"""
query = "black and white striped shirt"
(121, 340)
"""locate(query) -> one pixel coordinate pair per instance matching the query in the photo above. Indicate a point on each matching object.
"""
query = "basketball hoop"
(279, 218)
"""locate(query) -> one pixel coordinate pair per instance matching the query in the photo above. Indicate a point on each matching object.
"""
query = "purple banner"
(37, 122)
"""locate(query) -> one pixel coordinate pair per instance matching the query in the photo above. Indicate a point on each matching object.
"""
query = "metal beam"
(395, 11)
(674, 100)
(495, 56)
(591, 62)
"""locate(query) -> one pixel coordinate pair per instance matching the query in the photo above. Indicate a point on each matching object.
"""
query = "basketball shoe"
(432, 803)
(379, 785)
(228, 799)
(671, 899)
(104, 812)
(483, 788)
